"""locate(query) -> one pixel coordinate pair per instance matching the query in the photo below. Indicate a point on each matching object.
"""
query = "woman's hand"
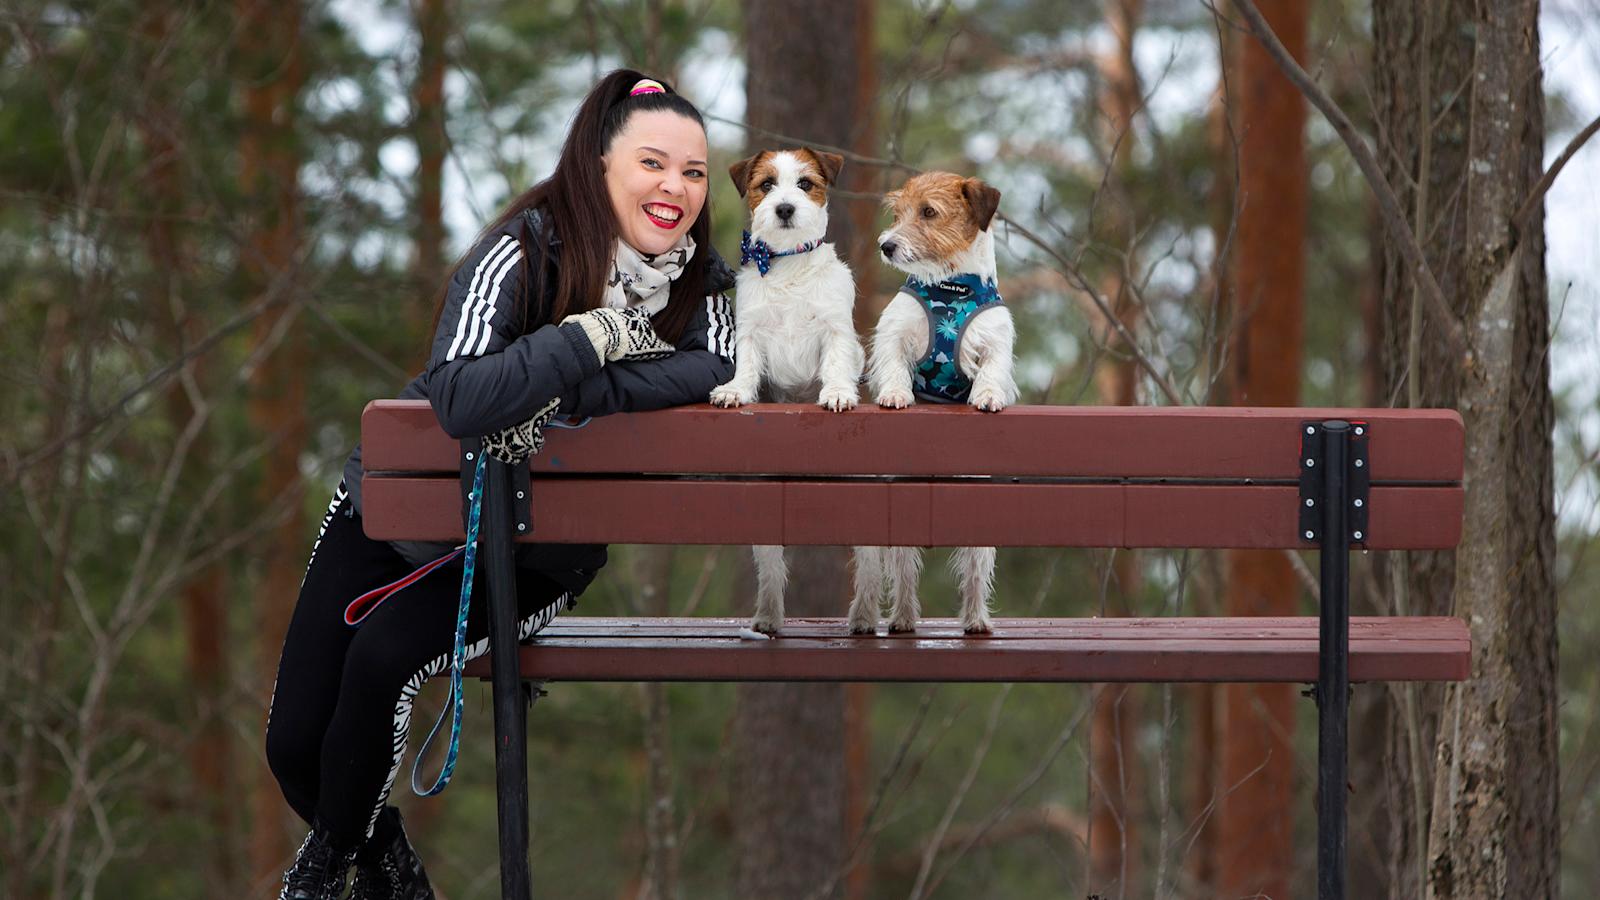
(619, 334)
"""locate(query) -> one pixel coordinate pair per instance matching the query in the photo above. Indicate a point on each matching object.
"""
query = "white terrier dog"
(948, 338)
(796, 341)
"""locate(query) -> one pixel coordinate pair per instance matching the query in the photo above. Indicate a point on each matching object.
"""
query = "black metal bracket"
(520, 484)
(1313, 480)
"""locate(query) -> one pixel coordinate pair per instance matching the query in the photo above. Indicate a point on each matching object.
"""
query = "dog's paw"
(863, 624)
(766, 625)
(902, 624)
(838, 399)
(981, 624)
(731, 395)
(895, 398)
(987, 399)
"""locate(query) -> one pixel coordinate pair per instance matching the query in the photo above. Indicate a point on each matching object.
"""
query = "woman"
(556, 310)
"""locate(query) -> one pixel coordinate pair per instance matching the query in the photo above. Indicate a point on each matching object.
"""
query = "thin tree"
(1113, 839)
(271, 71)
(204, 615)
(790, 783)
(1255, 834)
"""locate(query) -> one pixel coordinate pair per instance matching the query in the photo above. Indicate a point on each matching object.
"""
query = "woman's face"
(656, 175)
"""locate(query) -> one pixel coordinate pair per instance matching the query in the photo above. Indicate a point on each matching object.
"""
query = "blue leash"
(458, 655)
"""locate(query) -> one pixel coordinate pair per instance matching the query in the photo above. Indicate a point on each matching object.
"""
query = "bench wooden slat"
(1090, 442)
(1438, 628)
(1135, 650)
(579, 510)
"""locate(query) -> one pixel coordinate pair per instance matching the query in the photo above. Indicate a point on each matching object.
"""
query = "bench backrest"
(1203, 477)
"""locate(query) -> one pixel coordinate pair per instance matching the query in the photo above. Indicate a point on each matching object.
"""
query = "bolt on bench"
(1114, 477)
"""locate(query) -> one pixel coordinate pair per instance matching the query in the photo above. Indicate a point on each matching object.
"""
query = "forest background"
(222, 231)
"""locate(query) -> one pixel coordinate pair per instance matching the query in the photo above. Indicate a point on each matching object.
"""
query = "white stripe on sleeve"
(472, 299)
(489, 305)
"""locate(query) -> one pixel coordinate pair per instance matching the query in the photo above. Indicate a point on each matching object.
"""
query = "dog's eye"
(806, 184)
(768, 185)
(929, 212)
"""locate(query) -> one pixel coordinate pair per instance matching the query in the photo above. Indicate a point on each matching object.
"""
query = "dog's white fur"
(795, 335)
(986, 355)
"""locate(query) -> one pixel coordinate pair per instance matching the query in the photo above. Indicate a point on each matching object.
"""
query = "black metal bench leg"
(510, 709)
(1333, 676)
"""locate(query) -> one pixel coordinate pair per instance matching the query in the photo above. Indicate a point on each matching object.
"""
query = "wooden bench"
(1329, 479)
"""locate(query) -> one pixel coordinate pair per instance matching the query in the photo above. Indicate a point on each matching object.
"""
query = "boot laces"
(317, 868)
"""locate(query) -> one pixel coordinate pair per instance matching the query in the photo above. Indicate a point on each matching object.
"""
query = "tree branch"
(1519, 220)
(1394, 220)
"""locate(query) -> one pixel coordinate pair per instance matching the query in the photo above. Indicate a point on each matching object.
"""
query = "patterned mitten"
(515, 444)
(621, 334)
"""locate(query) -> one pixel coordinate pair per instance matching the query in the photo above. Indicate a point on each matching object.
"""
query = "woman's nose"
(672, 183)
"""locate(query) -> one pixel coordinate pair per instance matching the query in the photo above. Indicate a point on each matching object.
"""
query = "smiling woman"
(595, 291)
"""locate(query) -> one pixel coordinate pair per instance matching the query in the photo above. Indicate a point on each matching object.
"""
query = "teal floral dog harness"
(950, 305)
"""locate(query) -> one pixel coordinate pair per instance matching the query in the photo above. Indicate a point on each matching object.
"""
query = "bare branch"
(1394, 220)
(1520, 220)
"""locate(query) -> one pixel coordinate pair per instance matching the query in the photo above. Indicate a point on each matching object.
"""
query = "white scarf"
(645, 281)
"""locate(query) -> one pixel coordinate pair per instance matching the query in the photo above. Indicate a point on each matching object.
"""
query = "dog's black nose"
(888, 248)
(785, 211)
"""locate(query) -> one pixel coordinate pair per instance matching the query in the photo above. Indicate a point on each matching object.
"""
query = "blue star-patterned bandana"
(950, 304)
(754, 249)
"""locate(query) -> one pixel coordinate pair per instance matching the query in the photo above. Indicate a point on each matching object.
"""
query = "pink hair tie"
(647, 86)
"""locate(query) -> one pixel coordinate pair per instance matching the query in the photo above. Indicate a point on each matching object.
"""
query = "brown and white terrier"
(795, 337)
(945, 337)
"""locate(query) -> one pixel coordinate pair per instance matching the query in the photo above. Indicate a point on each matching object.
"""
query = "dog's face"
(787, 194)
(938, 217)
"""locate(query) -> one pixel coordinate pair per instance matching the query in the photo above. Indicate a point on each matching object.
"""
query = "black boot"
(319, 869)
(387, 868)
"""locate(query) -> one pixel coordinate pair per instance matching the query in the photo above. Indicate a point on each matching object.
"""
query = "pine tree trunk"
(204, 616)
(433, 29)
(790, 807)
(1255, 834)
(269, 161)
(1114, 774)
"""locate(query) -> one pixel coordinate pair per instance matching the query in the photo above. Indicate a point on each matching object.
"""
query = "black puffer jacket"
(484, 374)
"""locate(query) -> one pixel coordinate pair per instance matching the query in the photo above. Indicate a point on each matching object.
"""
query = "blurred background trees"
(223, 228)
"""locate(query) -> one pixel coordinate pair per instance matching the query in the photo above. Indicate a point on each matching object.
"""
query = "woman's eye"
(694, 173)
(652, 163)
(805, 184)
(768, 185)
(929, 212)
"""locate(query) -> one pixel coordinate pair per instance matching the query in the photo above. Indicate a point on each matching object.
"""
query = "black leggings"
(341, 707)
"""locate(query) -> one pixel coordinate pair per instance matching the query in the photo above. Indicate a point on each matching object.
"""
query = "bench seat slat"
(578, 510)
(1142, 650)
(1438, 628)
(1092, 442)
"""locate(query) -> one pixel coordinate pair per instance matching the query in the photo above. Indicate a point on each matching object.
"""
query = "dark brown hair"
(577, 208)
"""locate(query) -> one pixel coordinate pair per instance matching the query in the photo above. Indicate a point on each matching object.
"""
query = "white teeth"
(662, 212)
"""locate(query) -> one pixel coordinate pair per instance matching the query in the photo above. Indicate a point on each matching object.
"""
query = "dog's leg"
(842, 360)
(746, 381)
(867, 603)
(898, 341)
(772, 577)
(905, 568)
(974, 571)
(987, 356)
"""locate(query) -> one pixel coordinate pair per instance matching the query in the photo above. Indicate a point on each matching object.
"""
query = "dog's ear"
(831, 163)
(740, 172)
(983, 200)
(891, 198)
